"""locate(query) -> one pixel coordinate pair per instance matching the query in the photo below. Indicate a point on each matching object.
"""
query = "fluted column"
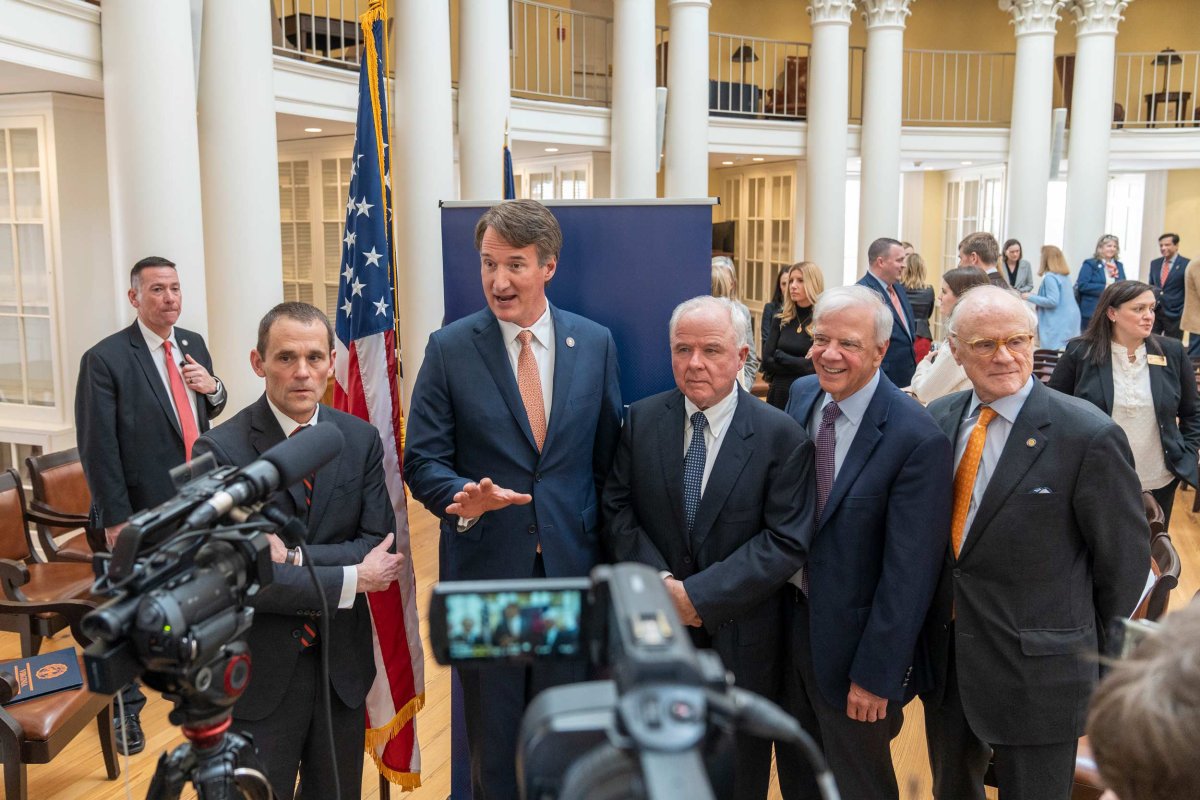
(422, 172)
(687, 100)
(1091, 123)
(484, 88)
(633, 113)
(240, 180)
(1033, 23)
(825, 156)
(152, 148)
(879, 198)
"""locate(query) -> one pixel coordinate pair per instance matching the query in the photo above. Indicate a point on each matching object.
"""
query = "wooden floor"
(78, 772)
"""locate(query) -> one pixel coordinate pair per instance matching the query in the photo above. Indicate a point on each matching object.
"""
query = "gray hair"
(842, 298)
(522, 223)
(739, 317)
(983, 296)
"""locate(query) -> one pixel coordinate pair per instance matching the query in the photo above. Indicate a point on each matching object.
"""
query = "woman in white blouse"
(1144, 382)
(937, 373)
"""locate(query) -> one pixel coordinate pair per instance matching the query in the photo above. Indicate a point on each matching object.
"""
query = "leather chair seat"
(76, 548)
(41, 717)
(50, 582)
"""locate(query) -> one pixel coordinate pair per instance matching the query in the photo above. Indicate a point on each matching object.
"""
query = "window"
(26, 347)
(571, 176)
(974, 202)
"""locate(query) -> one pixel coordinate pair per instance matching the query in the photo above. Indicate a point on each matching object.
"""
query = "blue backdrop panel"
(623, 265)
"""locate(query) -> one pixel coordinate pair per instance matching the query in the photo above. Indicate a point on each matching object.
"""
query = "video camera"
(179, 581)
(662, 726)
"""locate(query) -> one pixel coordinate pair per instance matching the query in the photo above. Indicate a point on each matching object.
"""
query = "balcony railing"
(1156, 90)
(324, 32)
(559, 54)
(953, 87)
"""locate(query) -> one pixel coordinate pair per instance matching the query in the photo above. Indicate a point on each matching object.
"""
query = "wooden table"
(1182, 101)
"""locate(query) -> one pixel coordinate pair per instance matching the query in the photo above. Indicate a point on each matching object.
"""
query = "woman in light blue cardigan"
(1057, 311)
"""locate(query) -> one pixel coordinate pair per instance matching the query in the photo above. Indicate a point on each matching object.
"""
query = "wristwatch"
(293, 556)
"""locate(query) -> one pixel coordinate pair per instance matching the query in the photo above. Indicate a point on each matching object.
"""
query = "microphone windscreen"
(298, 456)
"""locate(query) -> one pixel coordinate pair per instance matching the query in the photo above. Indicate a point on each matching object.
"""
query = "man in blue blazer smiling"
(883, 514)
(514, 420)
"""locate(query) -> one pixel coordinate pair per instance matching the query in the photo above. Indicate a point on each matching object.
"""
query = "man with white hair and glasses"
(1048, 542)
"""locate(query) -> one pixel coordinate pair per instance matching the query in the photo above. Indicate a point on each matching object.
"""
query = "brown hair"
(914, 273)
(300, 312)
(522, 223)
(982, 244)
(960, 279)
(1054, 261)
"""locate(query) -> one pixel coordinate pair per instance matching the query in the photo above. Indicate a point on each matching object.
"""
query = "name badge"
(1157, 361)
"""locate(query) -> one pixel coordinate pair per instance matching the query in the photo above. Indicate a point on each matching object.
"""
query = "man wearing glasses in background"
(1048, 538)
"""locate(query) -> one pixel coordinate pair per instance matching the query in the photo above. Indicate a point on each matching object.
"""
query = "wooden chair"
(1044, 362)
(26, 581)
(789, 96)
(60, 495)
(1154, 515)
(35, 731)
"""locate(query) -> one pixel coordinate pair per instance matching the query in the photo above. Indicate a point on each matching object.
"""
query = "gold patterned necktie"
(964, 477)
(529, 382)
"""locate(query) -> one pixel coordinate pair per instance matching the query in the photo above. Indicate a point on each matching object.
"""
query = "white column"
(1091, 124)
(1030, 132)
(825, 155)
(484, 79)
(687, 100)
(422, 172)
(151, 143)
(240, 178)
(633, 157)
(879, 196)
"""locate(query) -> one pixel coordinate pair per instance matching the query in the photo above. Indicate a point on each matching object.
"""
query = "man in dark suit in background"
(886, 260)
(1167, 279)
(1048, 543)
(349, 518)
(883, 507)
(715, 490)
(143, 397)
(514, 419)
(981, 251)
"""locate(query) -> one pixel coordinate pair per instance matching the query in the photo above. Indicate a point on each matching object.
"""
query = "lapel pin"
(183, 342)
(1030, 442)
(570, 341)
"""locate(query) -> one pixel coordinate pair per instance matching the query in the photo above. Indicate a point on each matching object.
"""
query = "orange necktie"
(529, 382)
(183, 406)
(964, 478)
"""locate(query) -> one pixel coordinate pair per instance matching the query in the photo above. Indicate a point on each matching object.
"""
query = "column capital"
(1097, 16)
(701, 3)
(885, 13)
(831, 11)
(1033, 16)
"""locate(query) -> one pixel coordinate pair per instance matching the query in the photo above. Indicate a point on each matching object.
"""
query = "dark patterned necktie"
(310, 479)
(693, 469)
(826, 461)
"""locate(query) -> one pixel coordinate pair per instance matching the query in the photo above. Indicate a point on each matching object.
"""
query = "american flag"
(366, 372)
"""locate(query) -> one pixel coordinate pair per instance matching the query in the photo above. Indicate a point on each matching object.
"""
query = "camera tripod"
(221, 764)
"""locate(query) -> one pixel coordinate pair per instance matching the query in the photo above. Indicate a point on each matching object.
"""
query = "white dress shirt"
(349, 573)
(1007, 409)
(542, 345)
(1133, 410)
(154, 343)
(719, 415)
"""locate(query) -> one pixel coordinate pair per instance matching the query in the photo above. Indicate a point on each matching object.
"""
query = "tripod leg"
(170, 774)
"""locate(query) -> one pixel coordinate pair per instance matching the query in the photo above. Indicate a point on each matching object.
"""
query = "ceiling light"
(551, 149)
(727, 163)
(312, 130)
(967, 163)
(758, 158)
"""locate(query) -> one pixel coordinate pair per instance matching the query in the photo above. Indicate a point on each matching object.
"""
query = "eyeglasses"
(1017, 344)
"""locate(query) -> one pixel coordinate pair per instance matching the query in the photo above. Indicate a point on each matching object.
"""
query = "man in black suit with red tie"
(144, 395)
(1167, 279)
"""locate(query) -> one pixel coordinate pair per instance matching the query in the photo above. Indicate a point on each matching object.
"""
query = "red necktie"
(183, 406)
(899, 308)
(1166, 270)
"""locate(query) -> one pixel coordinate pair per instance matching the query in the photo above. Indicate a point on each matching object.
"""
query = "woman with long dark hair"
(1144, 382)
(785, 358)
(772, 308)
(1016, 270)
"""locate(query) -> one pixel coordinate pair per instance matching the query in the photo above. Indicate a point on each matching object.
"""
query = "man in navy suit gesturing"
(1167, 278)
(514, 421)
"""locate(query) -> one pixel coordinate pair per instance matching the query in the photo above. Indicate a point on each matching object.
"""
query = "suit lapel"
(490, 344)
(735, 451)
(670, 452)
(1161, 378)
(327, 478)
(265, 433)
(565, 358)
(141, 354)
(1025, 445)
(1106, 384)
(188, 347)
(865, 439)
